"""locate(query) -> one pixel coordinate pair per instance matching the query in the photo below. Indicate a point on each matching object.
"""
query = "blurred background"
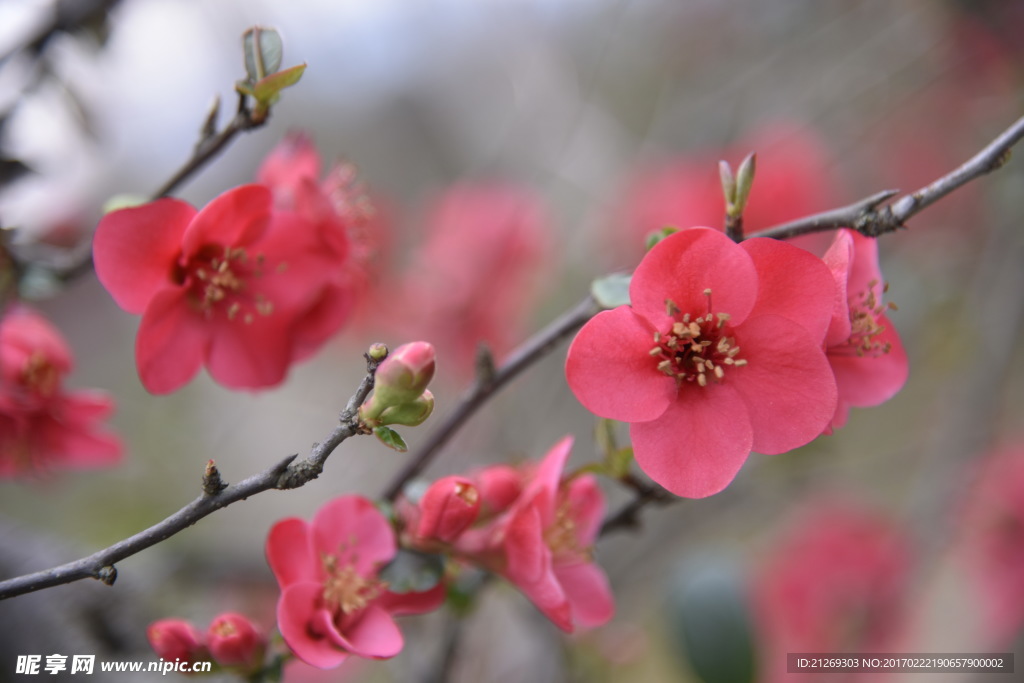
(605, 115)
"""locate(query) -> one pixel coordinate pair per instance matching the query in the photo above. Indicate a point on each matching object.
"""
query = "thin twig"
(488, 383)
(870, 218)
(286, 474)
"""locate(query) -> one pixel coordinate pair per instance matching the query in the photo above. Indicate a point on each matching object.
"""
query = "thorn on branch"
(107, 574)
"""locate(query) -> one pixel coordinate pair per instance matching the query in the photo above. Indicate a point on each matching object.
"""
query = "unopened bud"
(378, 352)
(177, 639)
(408, 414)
(728, 183)
(234, 641)
(744, 181)
(447, 509)
(402, 378)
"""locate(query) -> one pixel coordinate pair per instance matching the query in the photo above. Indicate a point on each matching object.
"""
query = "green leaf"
(709, 612)
(267, 89)
(658, 235)
(413, 572)
(611, 290)
(263, 51)
(390, 438)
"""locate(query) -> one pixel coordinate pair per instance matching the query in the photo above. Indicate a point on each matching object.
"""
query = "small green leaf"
(413, 572)
(390, 438)
(263, 51)
(658, 235)
(612, 290)
(267, 89)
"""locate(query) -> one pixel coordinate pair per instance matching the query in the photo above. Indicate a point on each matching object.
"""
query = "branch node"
(485, 370)
(212, 483)
(107, 574)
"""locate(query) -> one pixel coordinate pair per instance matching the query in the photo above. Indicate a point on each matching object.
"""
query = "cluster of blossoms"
(43, 425)
(232, 641)
(730, 348)
(258, 279)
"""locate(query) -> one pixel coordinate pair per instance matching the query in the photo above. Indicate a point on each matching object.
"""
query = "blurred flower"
(993, 543)
(475, 278)
(793, 180)
(862, 344)
(42, 426)
(233, 640)
(719, 354)
(543, 542)
(333, 603)
(347, 223)
(237, 287)
(837, 582)
(449, 506)
(177, 639)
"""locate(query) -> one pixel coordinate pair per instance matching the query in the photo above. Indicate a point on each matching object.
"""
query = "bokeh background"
(578, 102)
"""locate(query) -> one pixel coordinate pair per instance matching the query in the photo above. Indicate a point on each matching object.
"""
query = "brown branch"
(489, 380)
(286, 474)
(870, 218)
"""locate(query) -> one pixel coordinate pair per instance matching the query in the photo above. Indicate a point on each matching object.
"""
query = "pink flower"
(177, 639)
(475, 279)
(862, 344)
(719, 354)
(233, 640)
(349, 227)
(42, 426)
(547, 541)
(838, 582)
(448, 508)
(333, 603)
(792, 180)
(993, 543)
(236, 287)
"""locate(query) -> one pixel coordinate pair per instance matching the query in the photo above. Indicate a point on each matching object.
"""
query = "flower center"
(865, 309)
(345, 591)
(696, 348)
(220, 279)
(39, 375)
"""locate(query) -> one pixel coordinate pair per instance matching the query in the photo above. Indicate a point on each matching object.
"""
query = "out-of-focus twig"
(870, 218)
(287, 474)
(489, 380)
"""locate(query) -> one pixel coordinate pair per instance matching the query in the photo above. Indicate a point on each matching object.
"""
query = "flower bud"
(499, 487)
(409, 414)
(234, 641)
(177, 639)
(447, 509)
(402, 378)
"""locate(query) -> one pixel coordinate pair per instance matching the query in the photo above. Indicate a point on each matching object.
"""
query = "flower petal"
(414, 602)
(542, 489)
(135, 250)
(682, 266)
(793, 283)
(590, 597)
(296, 612)
(869, 380)
(374, 634)
(235, 218)
(787, 384)
(586, 508)
(839, 258)
(526, 552)
(696, 448)
(170, 344)
(290, 552)
(248, 355)
(354, 530)
(610, 371)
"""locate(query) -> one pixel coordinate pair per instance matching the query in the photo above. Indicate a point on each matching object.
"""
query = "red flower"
(333, 604)
(862, 344)
(719, 354)
(838, 582)
(993, 548)
(349, 228)
(233, 640)
(547, 539)
(475, 279)
(177, 639)
(235, 286)
(42, 426)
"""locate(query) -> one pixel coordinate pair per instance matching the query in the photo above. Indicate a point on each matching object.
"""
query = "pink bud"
(234, 641)
(447, 509)
(405, 374)
(499, 486)
(176, 639)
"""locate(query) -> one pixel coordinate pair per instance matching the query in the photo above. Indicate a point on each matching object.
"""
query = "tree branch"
(286, 474)
(489, 380)
(870, 218)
